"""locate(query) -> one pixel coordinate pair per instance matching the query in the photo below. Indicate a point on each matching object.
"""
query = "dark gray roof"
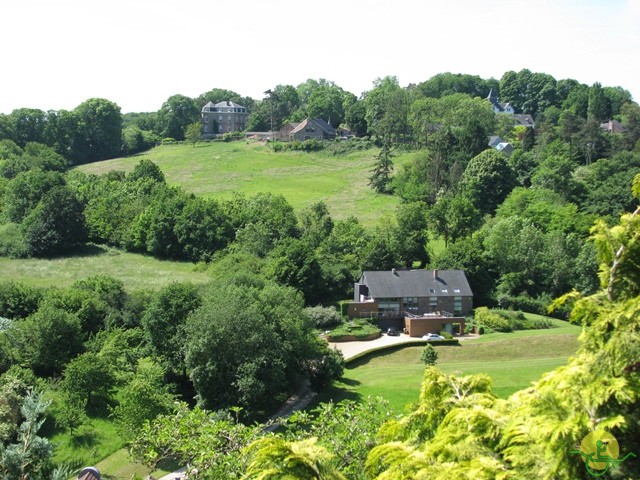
(416, 283)
(227, 103)
(524, 119)
(495, 140)
(223, 104)
(314, 123)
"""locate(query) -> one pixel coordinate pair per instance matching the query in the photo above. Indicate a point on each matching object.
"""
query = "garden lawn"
(136, 271)
(512, 360)
(219, 169)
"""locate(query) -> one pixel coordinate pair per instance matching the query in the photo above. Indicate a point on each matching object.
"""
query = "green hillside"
(220, 169)
(135, 270)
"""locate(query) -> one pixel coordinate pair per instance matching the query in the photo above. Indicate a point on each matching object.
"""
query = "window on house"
(389, 305)
(206, 119)
(457, 305)
(433, 303)
(411, 304)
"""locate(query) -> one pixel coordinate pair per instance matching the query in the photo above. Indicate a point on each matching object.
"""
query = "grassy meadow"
(136, 271)
(219, 169)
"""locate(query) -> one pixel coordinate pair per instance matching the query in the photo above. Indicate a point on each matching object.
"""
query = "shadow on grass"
(339, 391)
(84, 438)
(350, 381)
(87, 250)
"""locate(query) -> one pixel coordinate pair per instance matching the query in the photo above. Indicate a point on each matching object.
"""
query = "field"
(512, 360)
(136, 271)
(217, 170)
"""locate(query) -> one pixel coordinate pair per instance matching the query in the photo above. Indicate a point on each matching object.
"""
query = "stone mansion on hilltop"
(223, 117)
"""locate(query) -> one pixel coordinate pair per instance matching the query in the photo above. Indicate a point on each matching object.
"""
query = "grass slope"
(136, 271)
(218, 169)
(512, 361)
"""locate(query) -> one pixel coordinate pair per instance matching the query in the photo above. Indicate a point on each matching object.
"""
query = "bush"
(488, 318)
(525, 303)
(351, 145)
(357, 328)
(323, 317)
(446, 335)
(519, 321)
(18, 300)
(12, 241)
(324, 368)
(306, 146)
(429, 355)
(344, 308)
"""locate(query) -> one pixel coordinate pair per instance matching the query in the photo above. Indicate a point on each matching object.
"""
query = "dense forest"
(530, 227)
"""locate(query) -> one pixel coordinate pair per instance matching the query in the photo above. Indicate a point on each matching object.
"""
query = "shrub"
(323, 317)
(446, 335)
(429, 355)
(18, 300)
(488, 318)
(12, 241)
(357, 328)
(519, 321)
(525, 303)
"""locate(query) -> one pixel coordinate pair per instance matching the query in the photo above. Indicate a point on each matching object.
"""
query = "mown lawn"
(136, 271)
(512, 360)
(218, 169)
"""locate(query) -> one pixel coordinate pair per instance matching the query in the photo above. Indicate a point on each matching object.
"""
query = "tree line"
(96, 129)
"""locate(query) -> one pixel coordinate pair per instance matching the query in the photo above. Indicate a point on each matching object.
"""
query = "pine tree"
(380, 178)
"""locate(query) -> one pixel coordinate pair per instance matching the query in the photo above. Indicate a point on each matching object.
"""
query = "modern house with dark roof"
(419, 301)
(223, 117)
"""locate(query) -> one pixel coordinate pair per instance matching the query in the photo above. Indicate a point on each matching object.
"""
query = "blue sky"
(137, 53)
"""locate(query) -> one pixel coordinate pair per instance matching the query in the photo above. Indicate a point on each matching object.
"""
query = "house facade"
(312, 129)
(399, 298)
(499, 107)
(223, 117)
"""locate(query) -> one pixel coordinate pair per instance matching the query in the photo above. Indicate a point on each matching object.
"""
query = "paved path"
(351, 349)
